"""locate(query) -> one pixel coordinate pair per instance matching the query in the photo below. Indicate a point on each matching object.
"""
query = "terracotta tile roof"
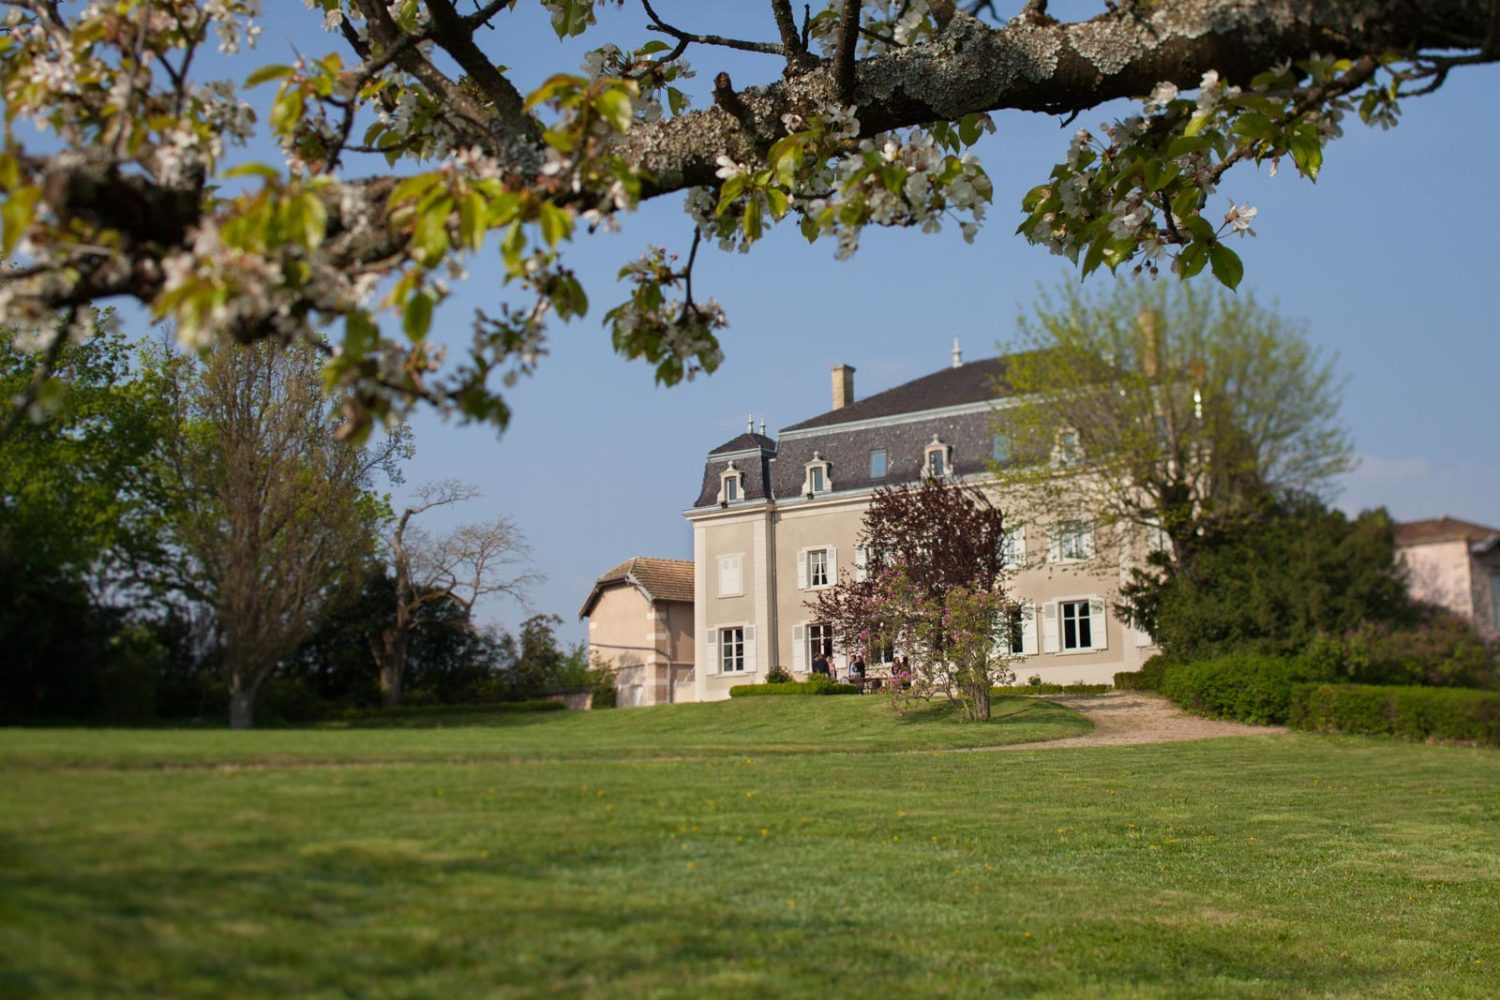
(661, 579)
(1442, 529)
(971, 382)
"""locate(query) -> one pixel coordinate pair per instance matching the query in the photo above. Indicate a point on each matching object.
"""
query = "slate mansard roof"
(902, 421)
(657, 579)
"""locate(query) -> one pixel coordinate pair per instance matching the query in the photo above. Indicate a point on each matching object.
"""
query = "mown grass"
(774, 725)
(1292, 865)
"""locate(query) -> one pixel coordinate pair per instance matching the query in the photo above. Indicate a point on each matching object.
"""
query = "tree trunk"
(241, 708)
(391, 656)
(979, 702)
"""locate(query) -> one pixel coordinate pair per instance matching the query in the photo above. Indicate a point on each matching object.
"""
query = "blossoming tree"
(406, 150)
(932, 592)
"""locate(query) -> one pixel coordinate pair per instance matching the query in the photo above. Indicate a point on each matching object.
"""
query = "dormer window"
(731, 484)
(817, 479)
(935, 460)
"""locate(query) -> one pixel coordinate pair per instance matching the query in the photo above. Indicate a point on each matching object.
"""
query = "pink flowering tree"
(405, 148)
(932, 589)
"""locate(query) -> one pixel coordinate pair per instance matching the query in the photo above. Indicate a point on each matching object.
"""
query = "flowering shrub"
(1443, 651)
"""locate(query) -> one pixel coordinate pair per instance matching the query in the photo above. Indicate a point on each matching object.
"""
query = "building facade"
(778, 520)
(1456, 565)
(640, 617)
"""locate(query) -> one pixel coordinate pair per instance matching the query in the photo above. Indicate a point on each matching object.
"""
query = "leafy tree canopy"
(407, 149)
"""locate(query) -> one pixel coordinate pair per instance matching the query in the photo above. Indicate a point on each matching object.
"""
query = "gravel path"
(1123, 718)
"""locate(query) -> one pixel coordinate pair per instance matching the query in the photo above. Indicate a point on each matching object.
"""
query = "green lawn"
(523, 858)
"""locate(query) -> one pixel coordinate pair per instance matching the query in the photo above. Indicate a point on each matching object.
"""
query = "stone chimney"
(1149, 320)
(843, 386)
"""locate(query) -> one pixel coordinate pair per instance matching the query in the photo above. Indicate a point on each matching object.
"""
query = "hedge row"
(1250, 687)
(1049, 689)
(1416, 713)
(1148, 678)
(791, 687)
(421, 711)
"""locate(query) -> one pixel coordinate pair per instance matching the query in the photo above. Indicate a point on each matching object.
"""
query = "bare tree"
(461, 568)
(271, 517)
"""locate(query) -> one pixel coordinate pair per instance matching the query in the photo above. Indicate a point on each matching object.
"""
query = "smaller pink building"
(1456, 565)
(641, 626)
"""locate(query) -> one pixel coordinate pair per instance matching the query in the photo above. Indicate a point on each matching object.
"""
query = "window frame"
(1072, 541)
(1082, 626)
(739, 557)
(725, 645)
(885, 463)
(812, 573)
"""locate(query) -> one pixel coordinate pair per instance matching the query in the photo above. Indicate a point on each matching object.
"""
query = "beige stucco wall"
(649, 646)
(1438, 573)
(773, 537)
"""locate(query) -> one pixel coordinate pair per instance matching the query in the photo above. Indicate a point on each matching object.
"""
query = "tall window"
(731, 489)
(1072, 541)
(1067, 447)
(817, 568)
(815, 480)
(1000, 448)
(1077, 630)
(1013, 548)
(935, 465)
(877, 463)
(819, 640)
(732, 650)
(731, 576)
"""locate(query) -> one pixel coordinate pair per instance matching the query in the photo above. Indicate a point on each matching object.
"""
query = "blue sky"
(1389, 261)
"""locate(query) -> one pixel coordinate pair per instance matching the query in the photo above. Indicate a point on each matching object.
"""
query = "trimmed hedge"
(1246, 686)
(793, 687)
(1012, 689)
(1414, 713)
(1148, 678)
(420, 711)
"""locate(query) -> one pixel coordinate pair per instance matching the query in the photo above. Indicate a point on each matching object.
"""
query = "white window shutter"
(802, 570)
(799, 648)
(1054, 545)
(861, 563)
(1028, 628)
(1049, 627)
(833, 565)
(749, 648)
(1142, 638)
(713, 650)
(1098, 620)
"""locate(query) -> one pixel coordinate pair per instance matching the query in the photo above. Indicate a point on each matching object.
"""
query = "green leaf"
(616, 108)
(751, 221)
(16, 216)
(286, 111)
(1183, 145)
(512, 246)
(263, 170)
(412, 188)
(1199, 227)
(556, 223)
(677, 100)
(1228, 267)
(1196, 124)
(1192, 259)
(730, 191)
(313, 216)
(969, 129)
(651, 48)
(1307, 153)
(266, 74)
(429, 236)
(1253, 125)
(779, 202)
(473, 214)
(417, 319)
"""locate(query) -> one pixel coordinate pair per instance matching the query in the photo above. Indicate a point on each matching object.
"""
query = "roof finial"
(762, 426)
(958, 355)
(749, 422)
